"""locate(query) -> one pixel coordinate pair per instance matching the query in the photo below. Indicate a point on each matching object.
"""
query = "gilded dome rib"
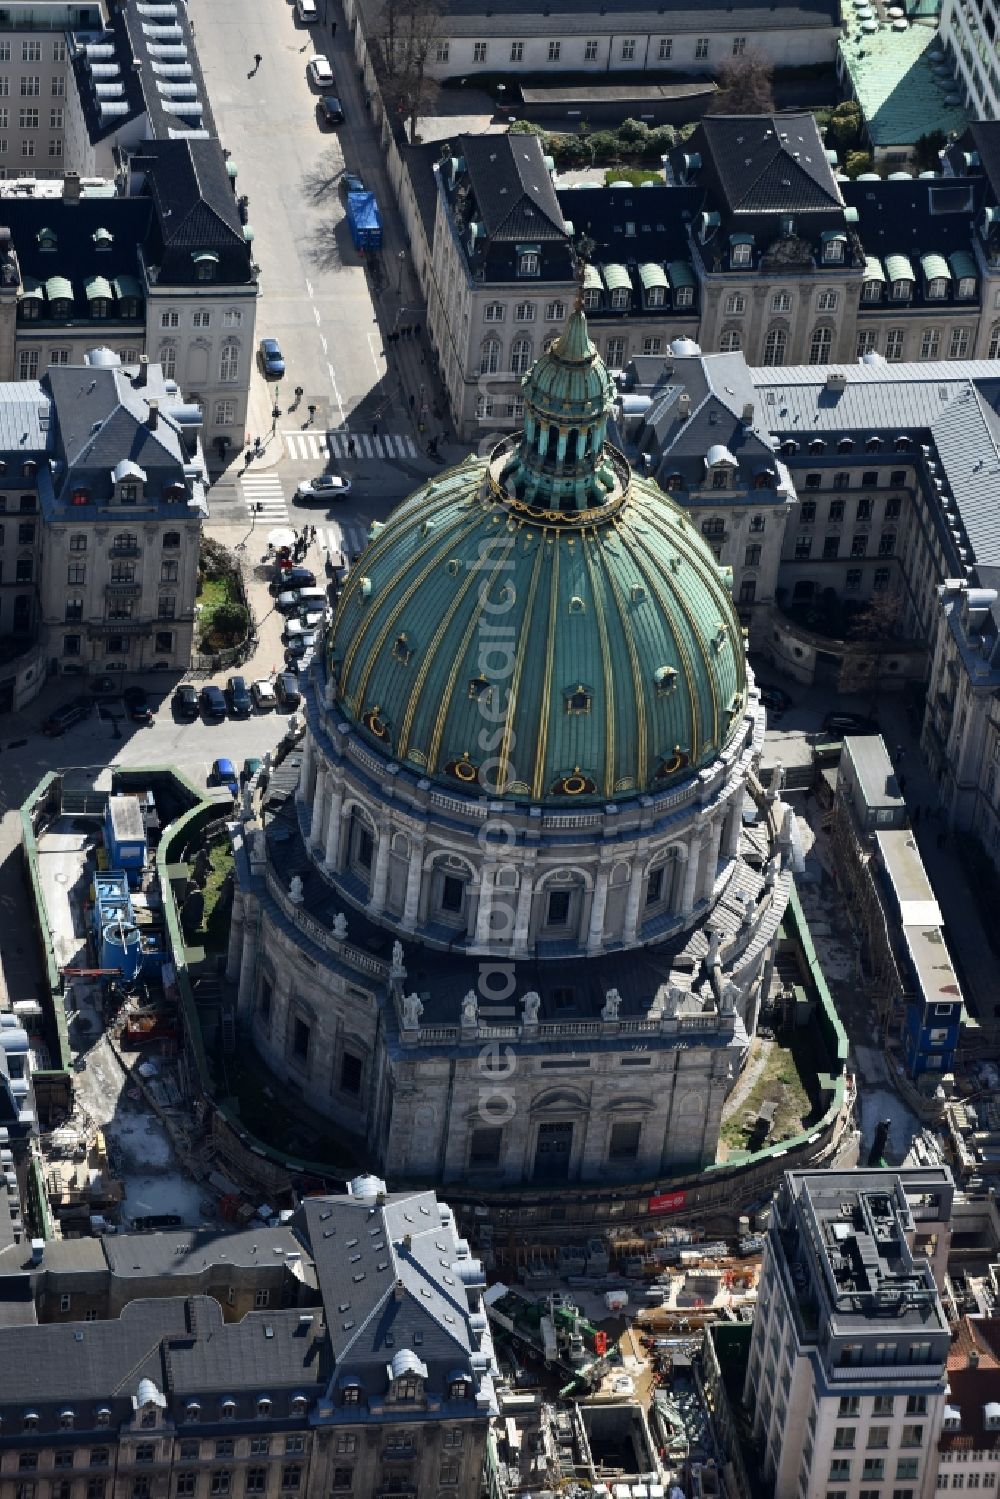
(438, 544)
(538, 786)
(642, 724)
(666, 603)
(609, 701)
(425, 666)
(503, 769)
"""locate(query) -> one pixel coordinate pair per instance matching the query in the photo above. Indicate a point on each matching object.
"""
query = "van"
(310, 598)
(308, 14)
(65, 717)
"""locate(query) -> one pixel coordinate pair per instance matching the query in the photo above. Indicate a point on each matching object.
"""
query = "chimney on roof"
(143, 375)
(397, 1290)
(37, 1251)
(684, 405)
(381, 1198)
(71, 187)
(748, 414)
(974, 1359)
(153, 419)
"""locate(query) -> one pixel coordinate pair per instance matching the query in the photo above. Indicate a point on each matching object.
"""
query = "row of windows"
(55, 114)
(967, 1481)
(232, 317)
(123, 543)
(31, 51)
(935, 290)
(229, 361)
(57, 87)
(736, 302)
(121, 572)
(629, 49)
(862, 511)
(959, 344)
(28, 145)
(120, 645)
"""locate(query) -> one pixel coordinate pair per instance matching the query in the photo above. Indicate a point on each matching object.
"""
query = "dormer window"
(192, 1411)
(103, 239)
(457, 1384)
(620, 299)
(900, 291)
(871, 291)
(264, 1406)
(740, 250)
(206, 265)
(937, 289)
(299, 1405)
(228, 1410)
(29, 468)
(591, 297)
(128, 494)
(528, 260)
(675, 482)
(656, 296)
(402, 650)
(407, 1389)
(103, 1417)
(684, 296)
(578, 700)
(30, 1421)
(720, 478)
(834, 243)
(47, 240)
(66, 1420)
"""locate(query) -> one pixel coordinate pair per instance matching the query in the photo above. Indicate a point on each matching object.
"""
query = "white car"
(325, 487)
(312, 619)
(320, 72)
(263, 694)
(296, 627)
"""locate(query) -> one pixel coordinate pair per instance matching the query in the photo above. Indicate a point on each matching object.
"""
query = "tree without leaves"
(745, 87)
(408, 30)
(874, 627)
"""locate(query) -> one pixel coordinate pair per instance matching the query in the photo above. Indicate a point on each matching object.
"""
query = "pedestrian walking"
(312, 533)
(333, 28)
(413, 401)
(352, 448)
(257, 60)
(374, 429)
(415, 330)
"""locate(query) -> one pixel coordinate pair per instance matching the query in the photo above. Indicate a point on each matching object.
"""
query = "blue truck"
(364, 221)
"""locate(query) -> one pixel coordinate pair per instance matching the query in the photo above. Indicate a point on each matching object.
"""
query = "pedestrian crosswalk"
(345, 536)
(264, 497)
(321, 446)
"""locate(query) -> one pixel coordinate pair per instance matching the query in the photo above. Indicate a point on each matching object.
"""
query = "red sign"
(666, 1202)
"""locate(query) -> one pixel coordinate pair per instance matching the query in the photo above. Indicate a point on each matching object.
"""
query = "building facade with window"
(847, 1382)
(520, 816)
(346, 1354)
(636, 38)
(118, 570)
(751, 246)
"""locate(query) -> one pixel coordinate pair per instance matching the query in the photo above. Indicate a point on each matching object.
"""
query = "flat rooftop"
(873, 768)
(900, 80)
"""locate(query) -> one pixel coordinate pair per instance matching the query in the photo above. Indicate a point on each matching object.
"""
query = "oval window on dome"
(576, 783)
(578, 699)
(481, 690)
(376, 724)
(665, 678)
(673, 763)
(463, 770)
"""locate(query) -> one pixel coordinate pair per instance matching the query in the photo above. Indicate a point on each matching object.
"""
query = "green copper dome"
(542, 624)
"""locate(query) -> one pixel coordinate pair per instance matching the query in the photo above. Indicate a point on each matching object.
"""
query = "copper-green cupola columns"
(542, 624)
(560, 463)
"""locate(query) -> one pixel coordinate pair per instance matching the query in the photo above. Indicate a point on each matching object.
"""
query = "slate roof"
(967, 438)
(512, 187)
(877, 398)
(184, 1251)
(767, 163)
(393, 1277)
(195, 211)
(102, 417)
(984, 136)
(914, 218)
(659, 216)
(77, 256)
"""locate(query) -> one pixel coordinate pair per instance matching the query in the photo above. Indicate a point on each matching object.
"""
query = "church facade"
(512, 918)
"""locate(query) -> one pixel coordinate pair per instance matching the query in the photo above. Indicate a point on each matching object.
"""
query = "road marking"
(309, 288)
(336, 392)
(266, 491)
(316, 316)
(343, 536)
(317, 446)
(322, 339)
(371, 348)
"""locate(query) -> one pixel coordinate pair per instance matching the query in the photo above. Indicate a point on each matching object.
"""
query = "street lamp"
(401, 257)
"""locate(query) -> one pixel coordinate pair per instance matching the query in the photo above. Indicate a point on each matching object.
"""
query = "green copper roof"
(540, 623)
(536, 662)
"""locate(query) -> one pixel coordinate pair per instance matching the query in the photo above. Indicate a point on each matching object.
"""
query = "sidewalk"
(964, 931)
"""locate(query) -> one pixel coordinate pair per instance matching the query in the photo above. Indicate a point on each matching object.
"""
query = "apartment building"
(969, 34)
(637, 38)
(751, 245)
(846, 1381)
(98, 551)
(345, 1353)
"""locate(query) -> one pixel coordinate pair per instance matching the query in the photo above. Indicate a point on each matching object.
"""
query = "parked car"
(324, 487)
(839, 724)
(311, 619)
(307, 11)
(223, 773)
(239, 697)
(319, 71)
(775, 699)
(295, 628)
(350, 182)
(185, 701)
(252, 766)
(297, 645)
(287, 689)
(137, 705)
(271, 358)
(263, 695)
(64, 717)
(213, 702)
(292, 577)
(331, 111)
